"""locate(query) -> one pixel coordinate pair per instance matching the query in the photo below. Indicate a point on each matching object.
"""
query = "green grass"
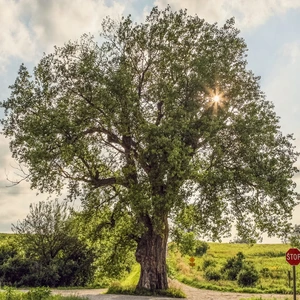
(133, 278)
(269, 260)
(262, 255)
(9, 293)
(117, 288)
(128, 287)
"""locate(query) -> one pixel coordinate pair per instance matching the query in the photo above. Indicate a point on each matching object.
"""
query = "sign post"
(292, 256)
(192, 262)
(294, 282)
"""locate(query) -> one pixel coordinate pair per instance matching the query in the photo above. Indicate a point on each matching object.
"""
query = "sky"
(29, 28)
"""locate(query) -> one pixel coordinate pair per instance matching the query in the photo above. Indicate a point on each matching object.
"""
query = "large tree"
(160, 123)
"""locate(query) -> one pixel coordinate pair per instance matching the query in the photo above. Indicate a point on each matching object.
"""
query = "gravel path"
(197, 294)
(192, 294)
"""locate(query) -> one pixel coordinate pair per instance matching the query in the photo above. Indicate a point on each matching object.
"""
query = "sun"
(216, 98)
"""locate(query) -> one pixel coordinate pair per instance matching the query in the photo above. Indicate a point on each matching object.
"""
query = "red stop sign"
(292, 256)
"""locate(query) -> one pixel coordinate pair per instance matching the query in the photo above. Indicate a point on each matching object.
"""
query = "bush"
(248, 275)
(212, 274)
(208, 263)
(50, 253)
(233, 266)
(39, 293)
(265, 272)
(171, 270)
(201, 248)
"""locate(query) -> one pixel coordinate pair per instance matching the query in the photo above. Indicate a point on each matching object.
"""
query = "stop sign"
(292, 256)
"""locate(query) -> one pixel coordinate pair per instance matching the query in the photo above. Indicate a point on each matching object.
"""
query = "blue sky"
(271, 29)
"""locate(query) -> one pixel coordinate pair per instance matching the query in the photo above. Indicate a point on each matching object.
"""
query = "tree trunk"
(151, 255)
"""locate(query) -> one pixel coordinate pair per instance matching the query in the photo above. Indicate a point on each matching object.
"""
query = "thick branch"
(104, 182)
(160, 113)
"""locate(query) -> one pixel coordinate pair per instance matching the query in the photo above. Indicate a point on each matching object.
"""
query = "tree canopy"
(160, 123)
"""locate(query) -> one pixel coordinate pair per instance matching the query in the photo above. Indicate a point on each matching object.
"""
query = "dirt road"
(192, 294)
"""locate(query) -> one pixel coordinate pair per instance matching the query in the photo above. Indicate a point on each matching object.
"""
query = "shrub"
(212, 274)
(265, 272)
(233, 266)
(171, 270)
(39, 293)
(248, 275)
(201, 248)
(10, 293)
(208, 263)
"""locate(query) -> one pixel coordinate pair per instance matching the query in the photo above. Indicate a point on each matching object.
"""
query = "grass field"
(269, 260)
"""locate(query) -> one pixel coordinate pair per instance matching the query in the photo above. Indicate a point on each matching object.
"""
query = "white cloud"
(14, 36)
(248, 13)
(55, 22)
(282, 87)
(14, 200)
(30, 27)
(292, 51)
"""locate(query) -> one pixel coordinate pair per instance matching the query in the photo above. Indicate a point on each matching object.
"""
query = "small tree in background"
(188, 244)
(57, 257)
(294, 237)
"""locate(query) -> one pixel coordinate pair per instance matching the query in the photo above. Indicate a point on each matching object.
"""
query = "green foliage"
(11, 294)
(294, 237)
(273, 253)
(133, 277)
(117, 288)
(248, 275)
(131, 126)
(212, 273)
(40, 293)
(208, 263)
(171, 270)
(53, 255)
(265, 272)
(233, 266)
(188, 244)
(236, 268)
(263, 256)
(218, 287)
(201, 248)
(34, 294)
(113, 248)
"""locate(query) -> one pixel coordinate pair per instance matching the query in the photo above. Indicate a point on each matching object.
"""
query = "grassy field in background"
(269, 260)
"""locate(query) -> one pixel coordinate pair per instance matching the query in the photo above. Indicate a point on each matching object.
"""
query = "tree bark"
(151, 255)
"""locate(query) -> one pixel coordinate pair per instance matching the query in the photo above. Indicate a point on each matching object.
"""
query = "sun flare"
(216, 98)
